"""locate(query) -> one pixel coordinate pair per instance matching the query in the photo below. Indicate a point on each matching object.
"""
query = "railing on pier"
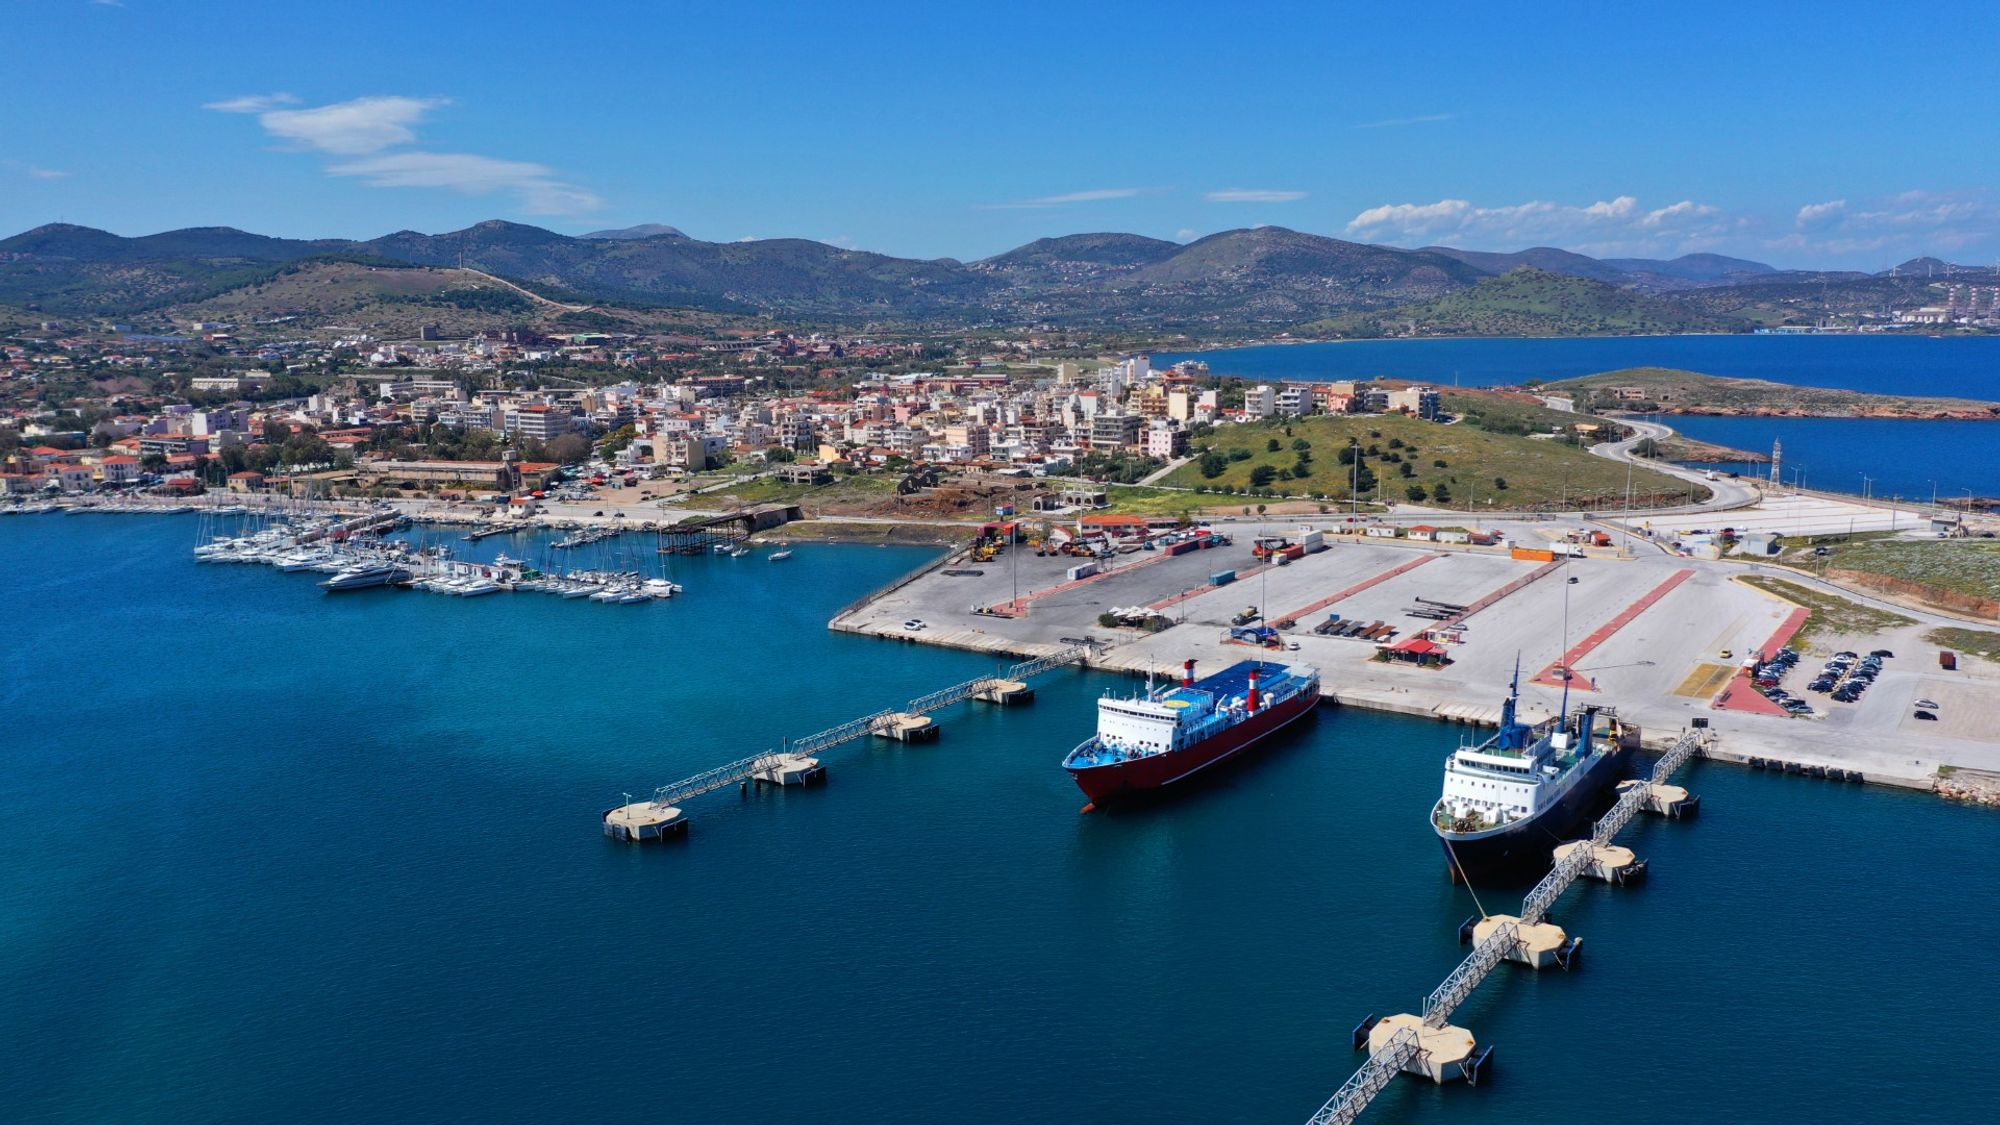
(742, 770)
(1354, 1095)
(1380, 1069)
(1446, 997)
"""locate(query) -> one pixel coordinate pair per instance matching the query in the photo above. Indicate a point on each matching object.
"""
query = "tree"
(1303, 468)
(570, 449)
(1213, 464)
(1500, 484)
(1272, 446)
(1416, 493)
(1347, 454)
(1260, 509)
(1301, 444)
(1262, 475)
(1439, 464)
(1406, 470)
(1443, 493)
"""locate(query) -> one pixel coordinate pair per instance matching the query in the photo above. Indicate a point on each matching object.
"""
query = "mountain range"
(1256, 279)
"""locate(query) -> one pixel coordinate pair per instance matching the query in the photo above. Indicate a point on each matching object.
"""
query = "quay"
(1429, 1045)
(797, 763)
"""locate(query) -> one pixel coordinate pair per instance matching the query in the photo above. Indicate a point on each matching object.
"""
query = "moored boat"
(1165, 736)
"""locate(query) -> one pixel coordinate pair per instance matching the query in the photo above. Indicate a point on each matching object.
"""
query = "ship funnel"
(1253, 691)
(1187, 674)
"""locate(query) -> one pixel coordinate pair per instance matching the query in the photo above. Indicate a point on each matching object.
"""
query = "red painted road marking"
(1603, 633)
(1392, 572)
(1742, 694)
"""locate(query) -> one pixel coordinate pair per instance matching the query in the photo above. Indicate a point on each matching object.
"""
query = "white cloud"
(1616, 226)
(364, 130)
(108, 3)
(1396, 122)
(1254, 195)
(1820, 214)
(1186, 234)
(1095, 195)
(33, 172)
(1907, 224)
(539, 192)
(350, 128)
(46, 173)
(252, 103)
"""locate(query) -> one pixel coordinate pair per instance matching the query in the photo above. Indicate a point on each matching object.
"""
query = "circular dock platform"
(908, 728)
(644, 820)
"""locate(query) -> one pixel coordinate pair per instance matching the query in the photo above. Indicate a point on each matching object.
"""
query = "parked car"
(1926, 715)
(1928, 703)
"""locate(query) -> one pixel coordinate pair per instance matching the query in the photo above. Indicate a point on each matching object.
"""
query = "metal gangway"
(1382, 1065)
(737, 772)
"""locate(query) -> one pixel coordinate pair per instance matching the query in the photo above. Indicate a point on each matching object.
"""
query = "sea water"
(273, 854)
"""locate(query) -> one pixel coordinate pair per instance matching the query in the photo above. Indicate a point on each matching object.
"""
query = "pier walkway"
(880, 722)
(1403, 1048)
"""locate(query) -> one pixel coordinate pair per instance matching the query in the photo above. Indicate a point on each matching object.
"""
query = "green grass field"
(1829, 613)
(1965, 566)
(1539, 474)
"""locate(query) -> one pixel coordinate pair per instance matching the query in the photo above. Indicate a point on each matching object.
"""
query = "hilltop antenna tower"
(1777, 461)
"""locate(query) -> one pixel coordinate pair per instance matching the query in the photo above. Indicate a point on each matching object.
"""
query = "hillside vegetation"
(1400, 462)
(1526, 301)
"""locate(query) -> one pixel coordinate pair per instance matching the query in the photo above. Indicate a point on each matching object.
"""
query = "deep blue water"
(275, 855)
(1963, 366)
(1902, 457)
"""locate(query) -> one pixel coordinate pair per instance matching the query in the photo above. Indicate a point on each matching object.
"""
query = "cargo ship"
(1156, 739)
(1509, 800)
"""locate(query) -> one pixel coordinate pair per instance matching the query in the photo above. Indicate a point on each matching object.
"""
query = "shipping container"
(1948, 661)
(1183, 547)
(1531, 554)
(1222, 578)
(1294, 552)
(1082, 570)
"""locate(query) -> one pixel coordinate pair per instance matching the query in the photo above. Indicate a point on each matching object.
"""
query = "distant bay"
(1958, 366)
(1903, 456)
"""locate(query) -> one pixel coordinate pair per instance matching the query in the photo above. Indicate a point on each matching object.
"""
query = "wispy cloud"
(351, 128)
(107, 3)
(1907, 224)
(1255, 195)
(539, 191)
(32, 171)
(363, 130)
(1617, 225)
(1398, 122)
(1095, 195)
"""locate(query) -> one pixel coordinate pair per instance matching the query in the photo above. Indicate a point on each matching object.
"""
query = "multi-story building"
(1260, 400)
(1110, 433)
(1420, 401)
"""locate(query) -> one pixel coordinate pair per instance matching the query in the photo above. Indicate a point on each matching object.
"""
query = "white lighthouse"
(1777, 462)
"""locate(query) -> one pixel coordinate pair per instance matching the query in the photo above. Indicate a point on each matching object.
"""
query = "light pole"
(1866, 481)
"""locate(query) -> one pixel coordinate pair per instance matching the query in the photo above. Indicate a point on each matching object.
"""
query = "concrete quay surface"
(1658, 652)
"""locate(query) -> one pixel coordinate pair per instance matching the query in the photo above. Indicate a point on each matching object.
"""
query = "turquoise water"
(278, 855)
(1961, 366)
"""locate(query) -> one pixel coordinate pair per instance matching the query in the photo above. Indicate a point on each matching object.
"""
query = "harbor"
(878, 884)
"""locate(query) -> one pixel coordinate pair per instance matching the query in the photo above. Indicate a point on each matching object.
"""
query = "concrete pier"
(904, 727)
(644, 820)
(1608, 863)
(1444, 1054)
(1664, 800)
(1006, 693)
(791, 769)
(1537, 945)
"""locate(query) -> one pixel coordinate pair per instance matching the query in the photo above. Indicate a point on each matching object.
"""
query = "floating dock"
(900, 726)
(1608, 863)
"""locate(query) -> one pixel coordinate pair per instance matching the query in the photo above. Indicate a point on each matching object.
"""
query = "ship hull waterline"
(1107, 783)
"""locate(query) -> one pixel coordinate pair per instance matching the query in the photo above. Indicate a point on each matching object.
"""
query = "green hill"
(1539, 473)
(1531, 302)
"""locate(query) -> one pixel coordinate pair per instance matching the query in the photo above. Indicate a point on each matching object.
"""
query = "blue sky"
(1823, 134)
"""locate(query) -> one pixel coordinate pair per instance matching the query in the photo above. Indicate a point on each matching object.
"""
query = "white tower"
(1777, 461)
